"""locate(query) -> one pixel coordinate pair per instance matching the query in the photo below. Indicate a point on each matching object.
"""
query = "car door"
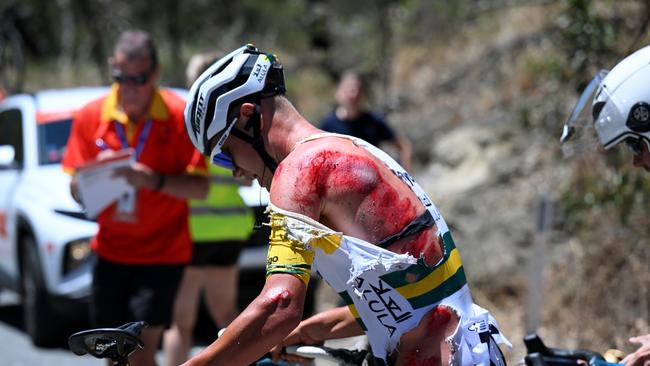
(12, 138)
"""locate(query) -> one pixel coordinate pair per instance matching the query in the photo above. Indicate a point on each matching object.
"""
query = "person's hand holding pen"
(138, 175)
(105, 151)
(141, 176)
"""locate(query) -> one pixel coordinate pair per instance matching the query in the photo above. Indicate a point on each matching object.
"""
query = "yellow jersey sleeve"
(286, 255)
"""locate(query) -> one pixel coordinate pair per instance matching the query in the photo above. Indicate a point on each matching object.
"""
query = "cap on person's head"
(137, 44)
(244, 75)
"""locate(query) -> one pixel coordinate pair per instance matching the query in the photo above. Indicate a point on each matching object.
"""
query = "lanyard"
(141, 139)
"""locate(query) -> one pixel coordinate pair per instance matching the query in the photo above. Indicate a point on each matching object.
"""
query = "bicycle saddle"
(113, 343)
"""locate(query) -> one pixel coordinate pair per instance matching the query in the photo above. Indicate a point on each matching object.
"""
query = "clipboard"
(97, 186)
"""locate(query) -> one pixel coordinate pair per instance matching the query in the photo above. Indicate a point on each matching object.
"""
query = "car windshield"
(52, 137)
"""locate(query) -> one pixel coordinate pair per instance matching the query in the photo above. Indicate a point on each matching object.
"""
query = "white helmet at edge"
(244, 75)
(620, 106)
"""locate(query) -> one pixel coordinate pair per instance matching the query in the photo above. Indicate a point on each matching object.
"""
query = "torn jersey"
(388, 293)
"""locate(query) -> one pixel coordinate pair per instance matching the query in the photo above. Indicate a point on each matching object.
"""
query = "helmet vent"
(221, 68)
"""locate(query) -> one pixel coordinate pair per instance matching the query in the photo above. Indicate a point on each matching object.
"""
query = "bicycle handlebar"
(338, 355)
(538, 354)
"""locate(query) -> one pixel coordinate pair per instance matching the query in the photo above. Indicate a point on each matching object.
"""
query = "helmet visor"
(217, 157)
(578, 132)
(610, 121)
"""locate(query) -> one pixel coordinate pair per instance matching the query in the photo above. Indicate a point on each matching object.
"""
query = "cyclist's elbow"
(283, 308)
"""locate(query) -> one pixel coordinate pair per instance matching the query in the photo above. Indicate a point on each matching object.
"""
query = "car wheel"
(38, 317)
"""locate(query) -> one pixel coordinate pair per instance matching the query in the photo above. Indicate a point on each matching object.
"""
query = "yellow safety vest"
(223, 215)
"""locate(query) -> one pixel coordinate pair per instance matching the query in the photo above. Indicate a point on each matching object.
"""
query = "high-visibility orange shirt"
(159, 233)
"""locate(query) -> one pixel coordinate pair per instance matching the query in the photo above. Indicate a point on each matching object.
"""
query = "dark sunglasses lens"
(634, 145)
(223, 160)
(138, 80)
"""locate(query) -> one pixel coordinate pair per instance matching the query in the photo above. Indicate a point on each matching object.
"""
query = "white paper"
(96, 185)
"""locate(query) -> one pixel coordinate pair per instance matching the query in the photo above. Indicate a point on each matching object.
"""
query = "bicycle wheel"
(12, 62)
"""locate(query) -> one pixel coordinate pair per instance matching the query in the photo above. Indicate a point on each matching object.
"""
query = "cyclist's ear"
(247, 110)
(247, 114)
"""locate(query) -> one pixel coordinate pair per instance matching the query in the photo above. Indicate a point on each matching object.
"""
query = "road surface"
(17, 349)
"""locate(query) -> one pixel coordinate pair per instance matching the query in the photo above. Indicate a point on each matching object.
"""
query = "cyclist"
(345, 210)
(620, 111)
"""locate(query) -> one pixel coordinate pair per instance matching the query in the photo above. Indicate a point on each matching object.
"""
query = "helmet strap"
(256, 140)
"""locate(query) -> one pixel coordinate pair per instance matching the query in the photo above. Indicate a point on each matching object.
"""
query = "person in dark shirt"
(351, 118)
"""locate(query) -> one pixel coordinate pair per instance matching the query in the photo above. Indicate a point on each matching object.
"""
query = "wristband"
(161, 182)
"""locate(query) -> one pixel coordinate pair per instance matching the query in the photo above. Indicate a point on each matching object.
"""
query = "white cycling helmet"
(244, 75)
(620, 103)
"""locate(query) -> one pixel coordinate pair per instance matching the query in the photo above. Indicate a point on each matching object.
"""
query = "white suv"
(44, 235)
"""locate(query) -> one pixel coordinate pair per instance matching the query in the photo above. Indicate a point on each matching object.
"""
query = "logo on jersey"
(479, 326)
(388, 306)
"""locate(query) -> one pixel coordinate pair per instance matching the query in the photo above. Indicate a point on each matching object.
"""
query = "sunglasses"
(635, 145)
(220, 157)
(141, 79)
(223, 160)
